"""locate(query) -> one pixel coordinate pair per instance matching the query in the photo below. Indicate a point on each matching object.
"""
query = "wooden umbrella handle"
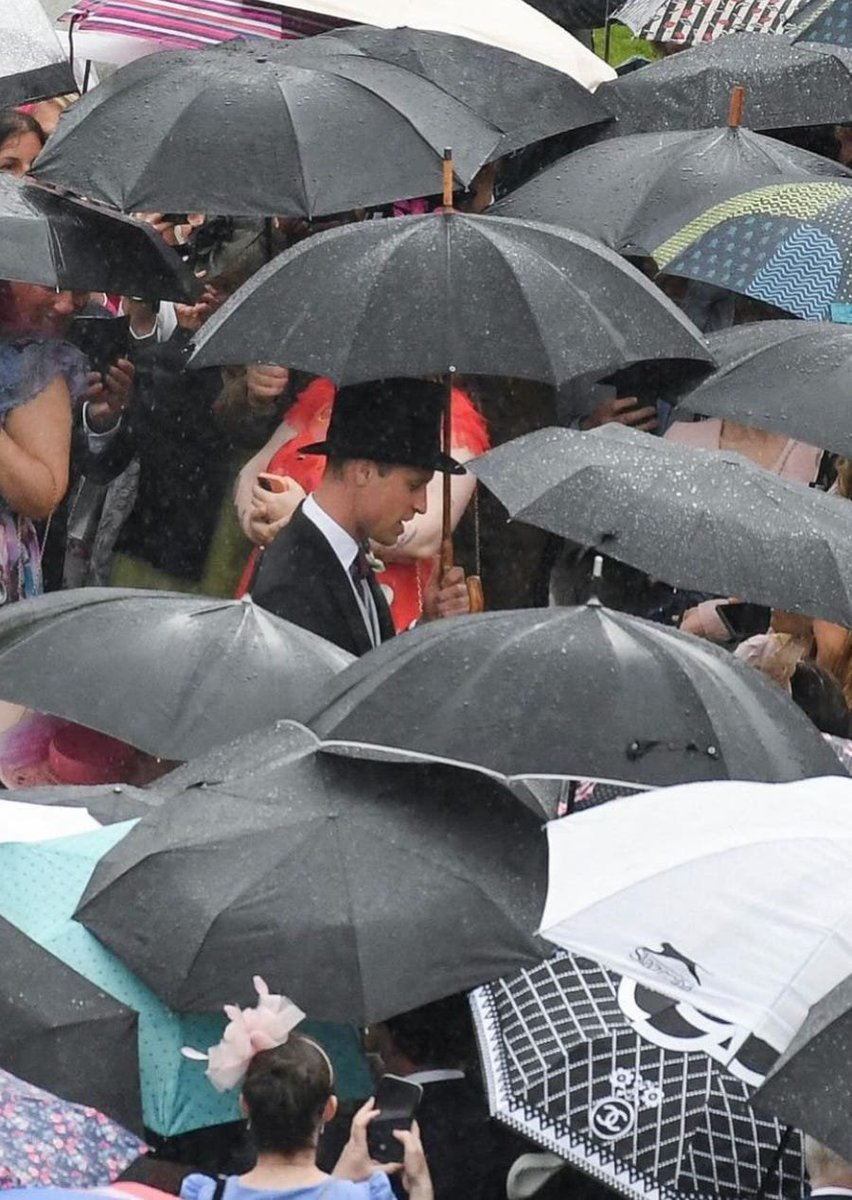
(735, 112)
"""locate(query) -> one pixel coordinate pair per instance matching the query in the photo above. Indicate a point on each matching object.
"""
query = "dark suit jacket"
(300, 578)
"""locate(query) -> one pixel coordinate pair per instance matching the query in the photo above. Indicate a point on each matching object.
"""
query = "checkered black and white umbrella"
(646, 1094)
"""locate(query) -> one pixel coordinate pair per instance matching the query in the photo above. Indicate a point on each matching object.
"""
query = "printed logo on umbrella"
(678, 970)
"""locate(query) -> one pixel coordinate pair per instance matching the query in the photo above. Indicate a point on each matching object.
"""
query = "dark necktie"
(360, 567)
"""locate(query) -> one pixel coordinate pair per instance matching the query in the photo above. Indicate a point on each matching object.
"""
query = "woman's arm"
(35, 452)
(421, 537)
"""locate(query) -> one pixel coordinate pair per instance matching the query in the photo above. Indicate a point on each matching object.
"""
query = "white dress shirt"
(346, 551)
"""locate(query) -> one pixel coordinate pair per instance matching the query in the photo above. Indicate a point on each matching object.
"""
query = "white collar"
(831, 1191)
(342, 543)
(439, 1075)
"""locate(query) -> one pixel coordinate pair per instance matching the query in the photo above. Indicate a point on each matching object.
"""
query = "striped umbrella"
(190, 24)
(688, 22)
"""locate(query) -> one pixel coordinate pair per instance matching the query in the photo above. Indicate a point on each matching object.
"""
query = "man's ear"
(363, 471)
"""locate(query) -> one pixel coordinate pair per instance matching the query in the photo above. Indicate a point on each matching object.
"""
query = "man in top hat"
(383, 446)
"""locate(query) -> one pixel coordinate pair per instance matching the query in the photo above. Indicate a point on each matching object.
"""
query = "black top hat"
(389, 421)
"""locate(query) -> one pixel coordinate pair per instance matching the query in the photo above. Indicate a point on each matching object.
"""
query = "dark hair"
(437, 1035)
(820, 697)
(285, 1091)
(14, 124)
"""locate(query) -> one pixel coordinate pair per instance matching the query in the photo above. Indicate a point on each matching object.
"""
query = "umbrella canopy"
(785, 86)
(634, 192)
(525, 100)
(787, 245)
(648, 1095)
(46, 1139)
(575, 15)
(61, 1032)
(573, 691)
(69, 244)
(40, 886)
(202, 671)
(685, 23)
(692, 518)
(359, 888)
(32, 62)
(738, 901)
(809, 1086)
(824, 21)
(509, 24)
(344, 132)
(793, 377)
(416, 295)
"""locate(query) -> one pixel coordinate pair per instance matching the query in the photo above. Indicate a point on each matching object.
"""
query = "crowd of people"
(327, 506)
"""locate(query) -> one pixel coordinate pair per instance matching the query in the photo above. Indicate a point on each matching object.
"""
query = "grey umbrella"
(172, 674)
(691, 518)
(33, 64)
(793, 377)
(809, 1087)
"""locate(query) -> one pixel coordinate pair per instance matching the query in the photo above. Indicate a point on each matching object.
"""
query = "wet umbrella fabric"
(360, 889)
(60, 242)
(525, 100)
(825, 22)
(682, 23)
(791, 377)
(787, 245)
(809, 1086)
(202, 671)
(417, 295)
(46, 1139)
(648, 1095)
(615, 698)
(634, 192)
(695, 519)
(40, 886)
(344, 132)
(767, 863)
(32, 62)
(61, 1032)
(786, 86)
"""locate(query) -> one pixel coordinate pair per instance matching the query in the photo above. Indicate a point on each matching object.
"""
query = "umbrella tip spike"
(597, 576)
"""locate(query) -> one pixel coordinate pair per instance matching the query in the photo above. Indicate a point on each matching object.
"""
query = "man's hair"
(825, 1165)
(335, 465)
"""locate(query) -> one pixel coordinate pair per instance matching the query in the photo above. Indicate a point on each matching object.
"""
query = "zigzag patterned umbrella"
(788, 245)
(691, 22)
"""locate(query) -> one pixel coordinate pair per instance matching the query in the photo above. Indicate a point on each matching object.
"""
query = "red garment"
(402, 582)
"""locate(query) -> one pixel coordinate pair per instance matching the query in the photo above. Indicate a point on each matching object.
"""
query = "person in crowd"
(287, 1097)
(408, 565)
(829, 1173)
(21, 141)
(382, 449)
(821, 698)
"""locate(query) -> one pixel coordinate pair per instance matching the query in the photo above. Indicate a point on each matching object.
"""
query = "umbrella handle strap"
(760, 1194)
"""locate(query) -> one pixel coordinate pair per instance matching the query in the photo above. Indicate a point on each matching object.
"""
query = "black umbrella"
(60, 242)
(691, 518)
(793, 377)
(524, 99)
(33, 64)
(172, 674)
(358, 888)
(574, 691)
(809, 1085)
(243, 129)
(481, 295)
(576, 15)
(633, 192)
(649, 1095)
(785, 86)
(62, 1033)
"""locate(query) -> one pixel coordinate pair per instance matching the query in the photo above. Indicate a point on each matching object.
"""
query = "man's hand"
(447, 596)
(624, 410)
(109, 396)
(265, 382)
(271, 511)
(193, 316)
(173, 235)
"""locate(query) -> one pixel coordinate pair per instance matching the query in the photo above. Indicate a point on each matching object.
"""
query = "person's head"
(820, 696)
(21, 141)
(288, 1095)
(31, 308)
(434, 1037)
(825, 1168)
(383, 447)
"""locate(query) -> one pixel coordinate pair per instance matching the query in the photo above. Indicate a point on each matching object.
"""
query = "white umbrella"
(511, 24)
(734, 897)
(33, 64)
(22, 822)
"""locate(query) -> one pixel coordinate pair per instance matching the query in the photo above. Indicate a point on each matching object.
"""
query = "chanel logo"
(612, 1118)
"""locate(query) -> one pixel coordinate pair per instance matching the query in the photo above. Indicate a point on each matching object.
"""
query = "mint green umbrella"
(40, 887)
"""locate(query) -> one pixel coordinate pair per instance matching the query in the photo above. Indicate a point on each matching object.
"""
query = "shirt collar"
(831, 1191)
(342, 543)
(439, 1075)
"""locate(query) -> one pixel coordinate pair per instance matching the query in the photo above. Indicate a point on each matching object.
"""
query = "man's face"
(388, 500)
(31, 308)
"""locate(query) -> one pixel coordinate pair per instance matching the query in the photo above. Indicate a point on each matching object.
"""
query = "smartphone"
(272, 483)
(103, 340)
(397, 1100)
(743, 621)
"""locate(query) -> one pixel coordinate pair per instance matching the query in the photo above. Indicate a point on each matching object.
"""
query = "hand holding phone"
(743, 621)
(396, 1100)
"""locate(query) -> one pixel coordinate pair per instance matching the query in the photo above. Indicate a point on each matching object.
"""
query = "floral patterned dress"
(27, 366)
